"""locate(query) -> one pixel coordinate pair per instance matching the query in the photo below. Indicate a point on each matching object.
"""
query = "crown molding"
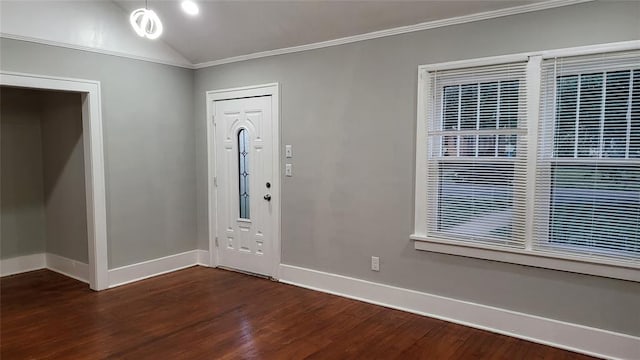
(94, 50)
(550, 4)
(398, 30)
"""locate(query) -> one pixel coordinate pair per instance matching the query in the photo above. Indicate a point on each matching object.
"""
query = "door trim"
(272, 90)
(92, 136)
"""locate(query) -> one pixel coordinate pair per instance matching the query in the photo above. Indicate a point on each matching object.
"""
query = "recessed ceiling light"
(190, 7)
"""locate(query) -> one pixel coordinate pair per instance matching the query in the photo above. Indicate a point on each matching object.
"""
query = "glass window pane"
(485, 107)
(615, 114)
(566, 115)
(450, 146)
(488, 105)
(450, 107)
(468, 145)
(509, 104)
(596, 206)
(507, 145)
(476, 199)
(487, 145)
(469, 106)
(589, 114)
(243, 173)
(634, 146)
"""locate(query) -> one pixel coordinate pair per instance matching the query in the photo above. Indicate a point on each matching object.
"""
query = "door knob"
(267, 197)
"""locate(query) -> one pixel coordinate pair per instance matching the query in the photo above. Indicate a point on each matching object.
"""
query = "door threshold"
(247, 273)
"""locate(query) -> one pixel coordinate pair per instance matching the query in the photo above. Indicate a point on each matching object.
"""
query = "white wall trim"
(550, 4)
(564, 335)
(94, 50)
(68, 267)
(20, 264)
(548, 260)
(60, 264)
(146, 269)
(93, 161)
(398, 30)
(273, 90)
(545, 54)
(420, 210)
(203, 258)
(119, 276)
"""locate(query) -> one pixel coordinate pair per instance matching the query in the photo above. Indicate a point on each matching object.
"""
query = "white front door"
(244, 174)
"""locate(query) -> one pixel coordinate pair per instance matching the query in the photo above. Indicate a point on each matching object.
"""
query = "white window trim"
(626, 270)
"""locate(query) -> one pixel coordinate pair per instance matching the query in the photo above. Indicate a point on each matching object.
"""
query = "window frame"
(565, 261)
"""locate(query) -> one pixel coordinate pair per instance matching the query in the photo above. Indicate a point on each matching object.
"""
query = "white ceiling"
(232, 30)
(225, 29)
(94, 25)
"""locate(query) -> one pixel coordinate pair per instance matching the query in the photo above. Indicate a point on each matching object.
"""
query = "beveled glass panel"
(243, 173)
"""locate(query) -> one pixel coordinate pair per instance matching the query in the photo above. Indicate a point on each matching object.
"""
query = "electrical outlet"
(288, 152)
(375, 263)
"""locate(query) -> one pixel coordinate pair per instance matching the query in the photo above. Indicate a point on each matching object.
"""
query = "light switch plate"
(288, 171)
(375, 263)
(288, 152)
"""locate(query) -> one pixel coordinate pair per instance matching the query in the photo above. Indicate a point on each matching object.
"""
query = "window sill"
(571, 263)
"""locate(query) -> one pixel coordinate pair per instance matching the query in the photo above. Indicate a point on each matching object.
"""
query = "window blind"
(588, 162)
(476, 161)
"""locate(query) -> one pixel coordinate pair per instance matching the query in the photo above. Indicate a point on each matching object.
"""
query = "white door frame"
(93, 162)
(272, 90)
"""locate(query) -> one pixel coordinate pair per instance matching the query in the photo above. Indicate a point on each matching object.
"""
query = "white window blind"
(476, 155)
(588, 169)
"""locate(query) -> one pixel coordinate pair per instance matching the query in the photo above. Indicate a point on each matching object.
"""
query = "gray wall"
(22, 228)
(63, 176)
(42, 167)
(148, 125)
(350, 113)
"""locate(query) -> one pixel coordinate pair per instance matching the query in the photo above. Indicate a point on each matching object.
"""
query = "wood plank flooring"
(204, 313)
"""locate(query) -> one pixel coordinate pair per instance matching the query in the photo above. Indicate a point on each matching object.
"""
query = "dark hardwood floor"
(203, 313)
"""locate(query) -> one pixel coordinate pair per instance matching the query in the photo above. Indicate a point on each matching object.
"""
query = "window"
(243, 173)
(533, 159)
(476, 154)
(588, 193)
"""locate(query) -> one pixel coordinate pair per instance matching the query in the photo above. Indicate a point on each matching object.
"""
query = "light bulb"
(190, 7)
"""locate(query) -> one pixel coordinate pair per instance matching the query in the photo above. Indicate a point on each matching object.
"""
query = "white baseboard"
(68, 267)
(203, 258)
(119, 276)
(65, 266)
(569, 336)
(130, 273)
(22, 264)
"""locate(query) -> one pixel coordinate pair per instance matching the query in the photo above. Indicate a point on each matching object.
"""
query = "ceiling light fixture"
(146, 23)
(190, 7)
